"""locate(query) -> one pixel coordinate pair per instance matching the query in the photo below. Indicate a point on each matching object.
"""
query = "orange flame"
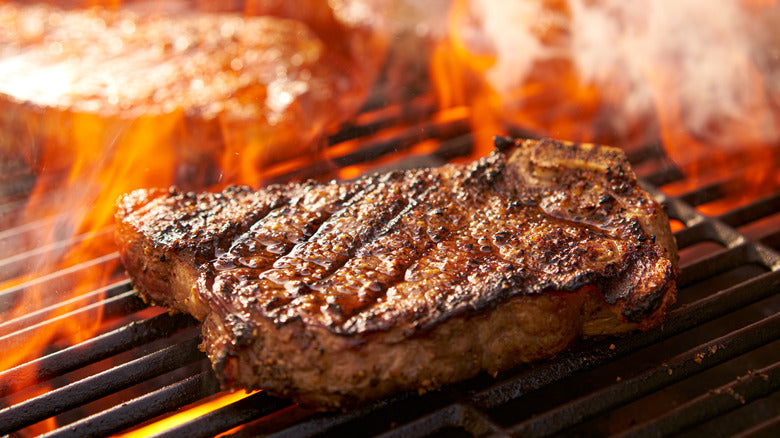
(695, 78)
(188, 414)
(458, 75)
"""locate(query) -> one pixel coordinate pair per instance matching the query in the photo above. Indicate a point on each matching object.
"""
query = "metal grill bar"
(715, 402)
(693, 361)
(371, 149)
(664, 175)
(18, 263)
(228, 417)
(119, 292)
(749, 213)
(91, 388)
(369, 122)
(588, 356)
(713, 191)
(142, 408)
(463, 416)
(403, 141)
(17, 292)
(95, 349)
(769, 428)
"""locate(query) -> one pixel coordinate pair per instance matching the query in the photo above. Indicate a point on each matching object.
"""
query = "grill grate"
(727, 324)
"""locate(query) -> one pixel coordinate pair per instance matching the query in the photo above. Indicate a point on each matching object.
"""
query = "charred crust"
(503, 143)
(240, 330)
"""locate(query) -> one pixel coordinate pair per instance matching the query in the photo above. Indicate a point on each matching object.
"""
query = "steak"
(342, 292)
(211, 85)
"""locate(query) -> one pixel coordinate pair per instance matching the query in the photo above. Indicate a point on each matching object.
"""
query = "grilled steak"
(210, 85)
(337, 293)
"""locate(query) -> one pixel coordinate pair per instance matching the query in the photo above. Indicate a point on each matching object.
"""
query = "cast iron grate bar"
(420, 109)
(371, 149)
(772, 240)
(715, 402)
(95, 349)
(664, 175)
(460, 415)
(723, 261)
(119, 292)
(122, 304)
(17, 292)
(587, 356)
(23, 236)
(98, 385)
(712, 191)
(400, 142)
(235, 414)
(769, 428)
(682, 366)
(753, 211)
(18, 264)
(142, 408)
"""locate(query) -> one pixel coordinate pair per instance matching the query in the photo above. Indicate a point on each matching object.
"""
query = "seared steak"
(210, 85)
(337, 293)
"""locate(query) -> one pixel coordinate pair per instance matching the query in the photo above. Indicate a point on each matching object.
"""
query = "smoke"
(707, 70)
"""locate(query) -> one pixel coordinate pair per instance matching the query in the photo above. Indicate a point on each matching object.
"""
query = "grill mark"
(358, 321)
(472, 277)
(300, 297)
(344, 304)
(441, 269)
(471, 186)
(325, 235)
(260, 285)
(366, 277)
(491, 279)
(205, 223)
(223, 270)
(278, 242)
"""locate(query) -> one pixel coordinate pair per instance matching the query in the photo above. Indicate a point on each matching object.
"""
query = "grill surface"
(714, 368)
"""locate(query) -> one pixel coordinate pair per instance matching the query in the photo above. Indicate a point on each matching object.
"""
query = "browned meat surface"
(343, 292)
(211, 85)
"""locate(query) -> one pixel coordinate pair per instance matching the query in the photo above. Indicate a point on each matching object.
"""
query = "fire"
(699, 79)
(459, 77)
(200, 408)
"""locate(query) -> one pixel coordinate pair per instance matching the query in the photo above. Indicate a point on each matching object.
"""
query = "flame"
(701, 80)
(459, 75)
(200, 408)
(676, 225)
